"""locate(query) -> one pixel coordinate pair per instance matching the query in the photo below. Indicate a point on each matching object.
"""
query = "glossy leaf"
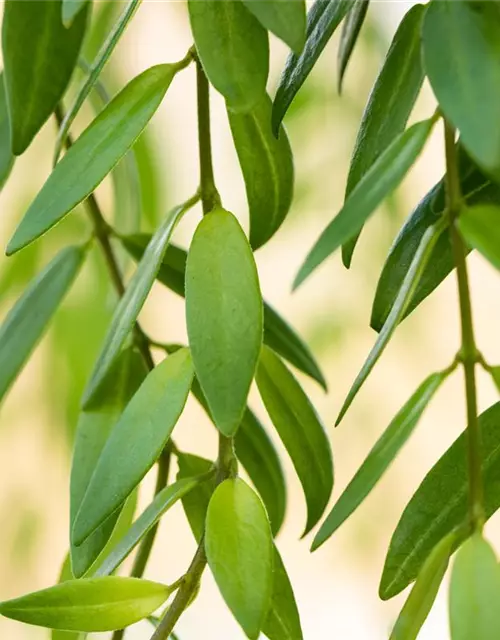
(350, 33)
(233, 48)
(380, 457)
(266, 163)
(224, 316)
(34, 31)
(466, 79)
(322, 20)
(90, 605)
(283, 619)
(417, 267)
(424, 592)
(285, 19)
(6, 157)
(196, 502)
(378, 182)
(125, 459)
(95, 152)
(395, 92)
(475, 592)
(480, 228)
(300, 431)
(440, 506)
(27, 321)
(238, 535)
(70, 9)
(132, 301)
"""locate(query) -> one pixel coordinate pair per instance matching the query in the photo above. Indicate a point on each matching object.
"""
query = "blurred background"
(336, 587)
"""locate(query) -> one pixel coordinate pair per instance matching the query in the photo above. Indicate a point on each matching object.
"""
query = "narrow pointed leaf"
(105, 141)
(440, 506)
(70, 9)
(152, 413)
(89, 605)
(283, 619)
(224, 316)
(34, 31)
(195, 503)
(27, 321)
(322, 20)
(285, 19)
(380, 457)
(6, 157)
(475, 592)
(377, 183)
(267, 166)
(350, 33)
(233, 48)
(300, 430)
(238, 535)
(417, 267)
(480, 227)
(395, 92)
(424, 592)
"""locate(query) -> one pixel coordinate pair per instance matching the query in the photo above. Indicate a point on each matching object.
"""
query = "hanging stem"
(469, 355)
(209, 195)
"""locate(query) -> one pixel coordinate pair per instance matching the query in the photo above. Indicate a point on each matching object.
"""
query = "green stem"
(468, 353)
(209, 195)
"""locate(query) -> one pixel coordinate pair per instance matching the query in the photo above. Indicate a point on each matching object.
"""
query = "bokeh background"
(336, 587)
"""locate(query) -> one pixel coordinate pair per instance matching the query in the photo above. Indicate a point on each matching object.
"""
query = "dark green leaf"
(95, 152)
(380, 457)
(195, 503)
(390, 104)
(27, 320)
(71, 8)
(322, 20)
(238, 535)
(350, 33)
(233, 48)
(39, 55)
(224, 316)
(125, 459)
(285, 19)
(283, 619)
(440, 506)
(6, 157)
(90, 605)
(378, 182)
(267, 166)
(461, 50)
(480, 227)
(300, 430)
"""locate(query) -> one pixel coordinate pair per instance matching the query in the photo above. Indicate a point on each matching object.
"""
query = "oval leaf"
(267, 166)
(125, 459)
(6, 157)
(479, 226)
(105, 141)
(285, 19)
(233, 48)
(350, 33)
(283, 619)
(195, 503)
(224, 316)
(238, 535)
(89, 605)
(300, 430)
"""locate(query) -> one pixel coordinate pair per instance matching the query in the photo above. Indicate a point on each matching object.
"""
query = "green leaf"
(32, 32)
(479, 226)
(350, 33)
(125, 459)
(233, 48)
(224, 316)
(440, 506)
(283, 619)
(300, 430)
(395, 92)
(378, 182)
(285, 19)
(267, 166)
(6, 157)
(424, 592)
(322, 20)
(417, 267)
(196, 502)
(380, 457)
(277, 333)
(475, 592)
(495, 374)
(66, 574)
(132, 301)
(27, 320)
(162, 502)
(461, 51)
(238, 535)
(95, 152)
(90, 605)
(70, 9)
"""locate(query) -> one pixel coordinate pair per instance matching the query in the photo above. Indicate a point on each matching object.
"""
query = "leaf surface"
(285, 19)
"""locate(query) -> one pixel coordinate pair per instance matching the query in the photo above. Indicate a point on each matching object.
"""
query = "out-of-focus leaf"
(495, 374)
(267, 166)
(238, 535)
(285, 19)
(70, 9)
(195, 503)
(300, 430)
(283, 619)
(479, 226)
(350, 33)
(6, 157)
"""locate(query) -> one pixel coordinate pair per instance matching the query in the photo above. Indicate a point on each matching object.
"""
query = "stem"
(468, 352)
(209, 195)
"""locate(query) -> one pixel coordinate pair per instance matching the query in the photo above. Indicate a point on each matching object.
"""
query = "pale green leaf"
(70, 9)
(481, 229)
